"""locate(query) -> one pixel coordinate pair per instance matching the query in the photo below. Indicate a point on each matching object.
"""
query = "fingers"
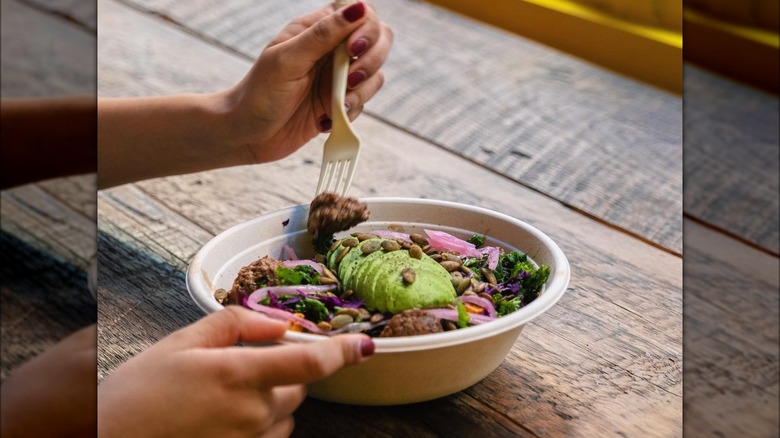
(224, 328)
(302, 363)
(370, 44)
(323, 36)
(286, 399)
(281, 429)
(355, 99)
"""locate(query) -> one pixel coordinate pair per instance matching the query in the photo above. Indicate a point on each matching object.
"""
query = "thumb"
(323, 36)
(224, 328)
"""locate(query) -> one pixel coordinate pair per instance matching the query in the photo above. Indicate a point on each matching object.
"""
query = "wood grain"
(607, 359)
(732, 321)
(594, 140)
(732, 161)
(48, 229)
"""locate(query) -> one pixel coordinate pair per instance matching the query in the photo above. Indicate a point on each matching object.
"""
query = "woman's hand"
(285, 99)
(196, 382)
(281, 103)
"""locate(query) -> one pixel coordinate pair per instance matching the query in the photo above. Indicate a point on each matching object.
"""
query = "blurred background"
(47, 239)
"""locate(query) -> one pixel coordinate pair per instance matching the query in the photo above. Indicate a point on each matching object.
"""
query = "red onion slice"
(285, 316)
(481, 302)
(441, 241)
(289, 252)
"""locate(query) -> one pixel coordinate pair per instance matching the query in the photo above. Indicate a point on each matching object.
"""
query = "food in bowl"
(385, 283)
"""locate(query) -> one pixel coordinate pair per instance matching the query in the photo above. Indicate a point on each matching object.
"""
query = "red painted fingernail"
(355, 78)
(366, 347)
(325, 123)
(354, 12)
(358, 47)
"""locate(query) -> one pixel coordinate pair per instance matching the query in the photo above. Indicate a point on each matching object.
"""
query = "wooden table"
(476, 115)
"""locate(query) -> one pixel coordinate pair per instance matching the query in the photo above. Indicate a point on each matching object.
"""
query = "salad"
(387, 283)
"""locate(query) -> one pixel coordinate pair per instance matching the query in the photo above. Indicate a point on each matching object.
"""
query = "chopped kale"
(301, 274)
(312, 309)
(477, 240)
(509, 306)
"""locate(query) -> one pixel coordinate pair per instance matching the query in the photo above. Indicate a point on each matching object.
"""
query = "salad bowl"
(405, 369)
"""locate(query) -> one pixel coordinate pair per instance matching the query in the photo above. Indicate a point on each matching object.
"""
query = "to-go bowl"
(403, 369)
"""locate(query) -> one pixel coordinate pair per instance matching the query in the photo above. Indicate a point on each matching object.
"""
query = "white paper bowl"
(405, 369)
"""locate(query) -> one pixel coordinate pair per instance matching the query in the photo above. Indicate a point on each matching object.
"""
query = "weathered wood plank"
(602, 143)
(614, 340)
(43, 55)
(732, 321)
(48, 229)
(732, 162)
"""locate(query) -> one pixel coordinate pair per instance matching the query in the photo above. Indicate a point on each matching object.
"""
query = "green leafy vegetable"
(509, 306)
(301, 274)
(477, 240)
(312, 309)
(463, 316)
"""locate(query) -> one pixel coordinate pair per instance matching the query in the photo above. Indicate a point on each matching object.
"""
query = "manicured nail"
(355, 78)
(354, 12)
(325, 124)
(358, 47)
(367, 347)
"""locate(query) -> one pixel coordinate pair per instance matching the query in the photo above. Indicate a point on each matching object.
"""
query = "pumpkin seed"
(348, 311)
(363, 236)
(327, 272)
(488, 276)
(363, 313)
(327, 280)
(405, 244)
(416, 252)
(457, 276)
(463, 285)
(448, 325)
(480, 287)
(342, 254)
(418, 239)
(448, 256)
(448, 265)
(340, 321)
(334, 246)
(369, 247)
(324, 326)
(350, 242)
(408, 275)
(347, 293)
(375, 318)
(390, 245)
(220, 295)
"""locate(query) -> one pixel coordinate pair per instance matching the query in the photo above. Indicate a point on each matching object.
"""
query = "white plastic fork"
(340, 154)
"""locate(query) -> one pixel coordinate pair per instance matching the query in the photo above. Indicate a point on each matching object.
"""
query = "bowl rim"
(199, 287)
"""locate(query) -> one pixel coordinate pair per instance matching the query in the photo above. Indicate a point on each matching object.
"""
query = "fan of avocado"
(377, 277)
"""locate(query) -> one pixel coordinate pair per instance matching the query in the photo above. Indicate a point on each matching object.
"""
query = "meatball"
(410, 323)
(251, 277)
(330, 213)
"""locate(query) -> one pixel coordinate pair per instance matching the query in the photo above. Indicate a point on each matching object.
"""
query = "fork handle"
(340, 69)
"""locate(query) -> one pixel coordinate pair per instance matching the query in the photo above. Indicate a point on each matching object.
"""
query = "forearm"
(160, 136)
(47, 138)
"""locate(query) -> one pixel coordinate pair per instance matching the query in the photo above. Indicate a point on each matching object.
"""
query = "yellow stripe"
(761, 36)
